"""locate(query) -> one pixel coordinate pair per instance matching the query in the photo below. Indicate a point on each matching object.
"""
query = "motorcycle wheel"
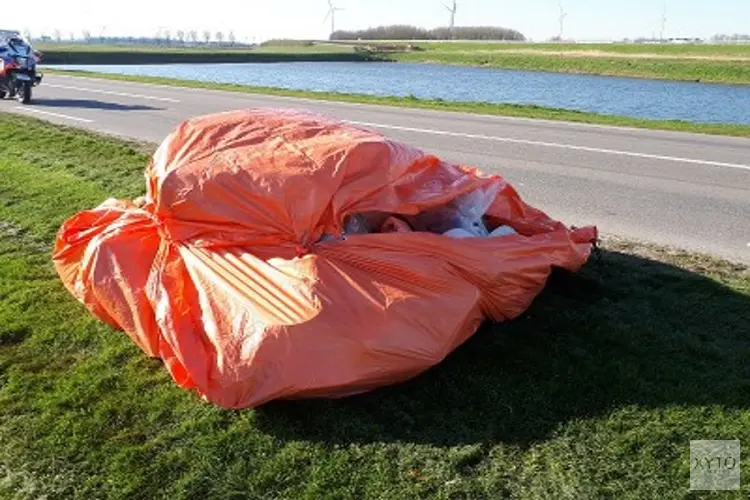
(24, 93)
(2, 94)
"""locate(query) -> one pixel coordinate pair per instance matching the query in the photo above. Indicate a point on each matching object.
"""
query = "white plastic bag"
(465, 212)
(356, 224)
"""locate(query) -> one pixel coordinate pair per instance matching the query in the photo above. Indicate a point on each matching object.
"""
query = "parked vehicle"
(18, 67)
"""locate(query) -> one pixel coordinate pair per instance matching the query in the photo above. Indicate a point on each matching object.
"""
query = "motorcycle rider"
(18, 45)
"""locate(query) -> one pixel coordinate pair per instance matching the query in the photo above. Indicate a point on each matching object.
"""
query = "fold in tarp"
(223, 275)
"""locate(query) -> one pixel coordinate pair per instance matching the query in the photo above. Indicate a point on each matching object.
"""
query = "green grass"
(707, 71)
(678, 50)
(511, 110)
(717, 63)
(271, 47)
(594, 393)
(690, 62)
(120, 54)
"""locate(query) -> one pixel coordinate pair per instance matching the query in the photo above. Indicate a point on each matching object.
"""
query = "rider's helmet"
(16, 41)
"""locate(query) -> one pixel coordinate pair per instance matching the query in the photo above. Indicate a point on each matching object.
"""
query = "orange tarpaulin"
(223, 272)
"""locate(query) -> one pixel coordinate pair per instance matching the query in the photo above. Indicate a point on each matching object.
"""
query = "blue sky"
(263, 19)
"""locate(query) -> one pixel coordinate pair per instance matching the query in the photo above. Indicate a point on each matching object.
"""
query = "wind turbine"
(332, 14)
(452, 10)
(563, 15)
(663, 21)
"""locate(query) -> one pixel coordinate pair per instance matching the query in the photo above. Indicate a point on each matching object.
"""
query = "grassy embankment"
(690, 62)
(108, 54)
(595, 392)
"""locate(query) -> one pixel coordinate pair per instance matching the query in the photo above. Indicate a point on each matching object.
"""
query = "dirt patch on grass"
(13, 232)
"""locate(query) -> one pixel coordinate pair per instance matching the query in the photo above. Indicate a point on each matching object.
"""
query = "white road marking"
(443, 132)
(110, 92)
(58, 115)
(554, 145)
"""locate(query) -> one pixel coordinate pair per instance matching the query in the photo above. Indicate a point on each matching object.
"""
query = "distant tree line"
(405, 32)
(180, 38)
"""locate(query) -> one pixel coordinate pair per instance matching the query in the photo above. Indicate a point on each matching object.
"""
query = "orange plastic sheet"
(223, 275)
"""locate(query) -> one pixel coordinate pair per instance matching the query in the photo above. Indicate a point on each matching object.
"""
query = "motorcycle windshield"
(19, 49)
(14, 44)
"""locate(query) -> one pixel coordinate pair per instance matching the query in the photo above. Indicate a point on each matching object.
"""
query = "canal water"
(638, 98)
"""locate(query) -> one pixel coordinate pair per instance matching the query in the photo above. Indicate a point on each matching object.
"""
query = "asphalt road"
(687, 190)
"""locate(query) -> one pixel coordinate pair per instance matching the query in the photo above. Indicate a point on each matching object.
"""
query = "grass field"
(690, 62)
(666, 49)
(108, 54)
(594, 393)
(513, 110)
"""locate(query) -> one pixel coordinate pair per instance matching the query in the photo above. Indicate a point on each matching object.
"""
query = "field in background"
(726, 63)
(595, 392)
(688, 62)
(135, 54)
(677, 50)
